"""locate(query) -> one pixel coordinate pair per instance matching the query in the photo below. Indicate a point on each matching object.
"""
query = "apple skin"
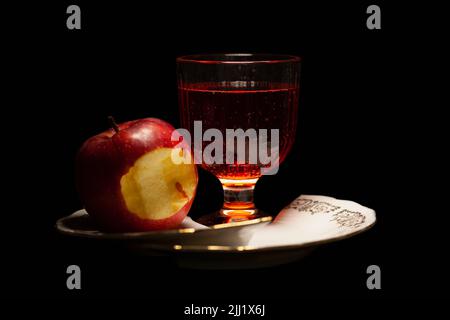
(102, 161)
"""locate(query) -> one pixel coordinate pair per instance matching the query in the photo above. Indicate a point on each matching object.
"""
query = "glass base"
(227, 216)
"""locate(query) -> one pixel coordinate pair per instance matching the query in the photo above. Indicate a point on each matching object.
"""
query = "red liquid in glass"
(240, 104)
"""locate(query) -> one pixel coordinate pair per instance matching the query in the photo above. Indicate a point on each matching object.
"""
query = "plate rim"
(254, 249)
(100, 235)
(210, 249)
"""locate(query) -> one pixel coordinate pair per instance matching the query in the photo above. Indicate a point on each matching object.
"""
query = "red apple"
(127, 179)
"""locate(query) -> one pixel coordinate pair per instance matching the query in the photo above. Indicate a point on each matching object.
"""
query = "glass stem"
(238, 196)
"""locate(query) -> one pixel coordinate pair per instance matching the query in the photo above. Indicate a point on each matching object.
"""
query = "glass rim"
(220, 58)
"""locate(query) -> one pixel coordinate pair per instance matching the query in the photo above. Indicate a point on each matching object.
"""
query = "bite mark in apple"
(155, 187)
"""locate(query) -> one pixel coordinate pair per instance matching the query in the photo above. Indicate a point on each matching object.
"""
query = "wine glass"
(245, 93)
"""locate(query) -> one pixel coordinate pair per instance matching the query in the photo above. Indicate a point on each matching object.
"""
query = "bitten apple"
(128, 180)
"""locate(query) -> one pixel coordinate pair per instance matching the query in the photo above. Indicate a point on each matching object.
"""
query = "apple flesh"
(128, 181)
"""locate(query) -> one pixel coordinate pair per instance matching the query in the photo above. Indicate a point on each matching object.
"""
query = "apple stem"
(113, 124)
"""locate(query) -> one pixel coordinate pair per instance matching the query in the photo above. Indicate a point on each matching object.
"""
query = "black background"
(361, 136)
